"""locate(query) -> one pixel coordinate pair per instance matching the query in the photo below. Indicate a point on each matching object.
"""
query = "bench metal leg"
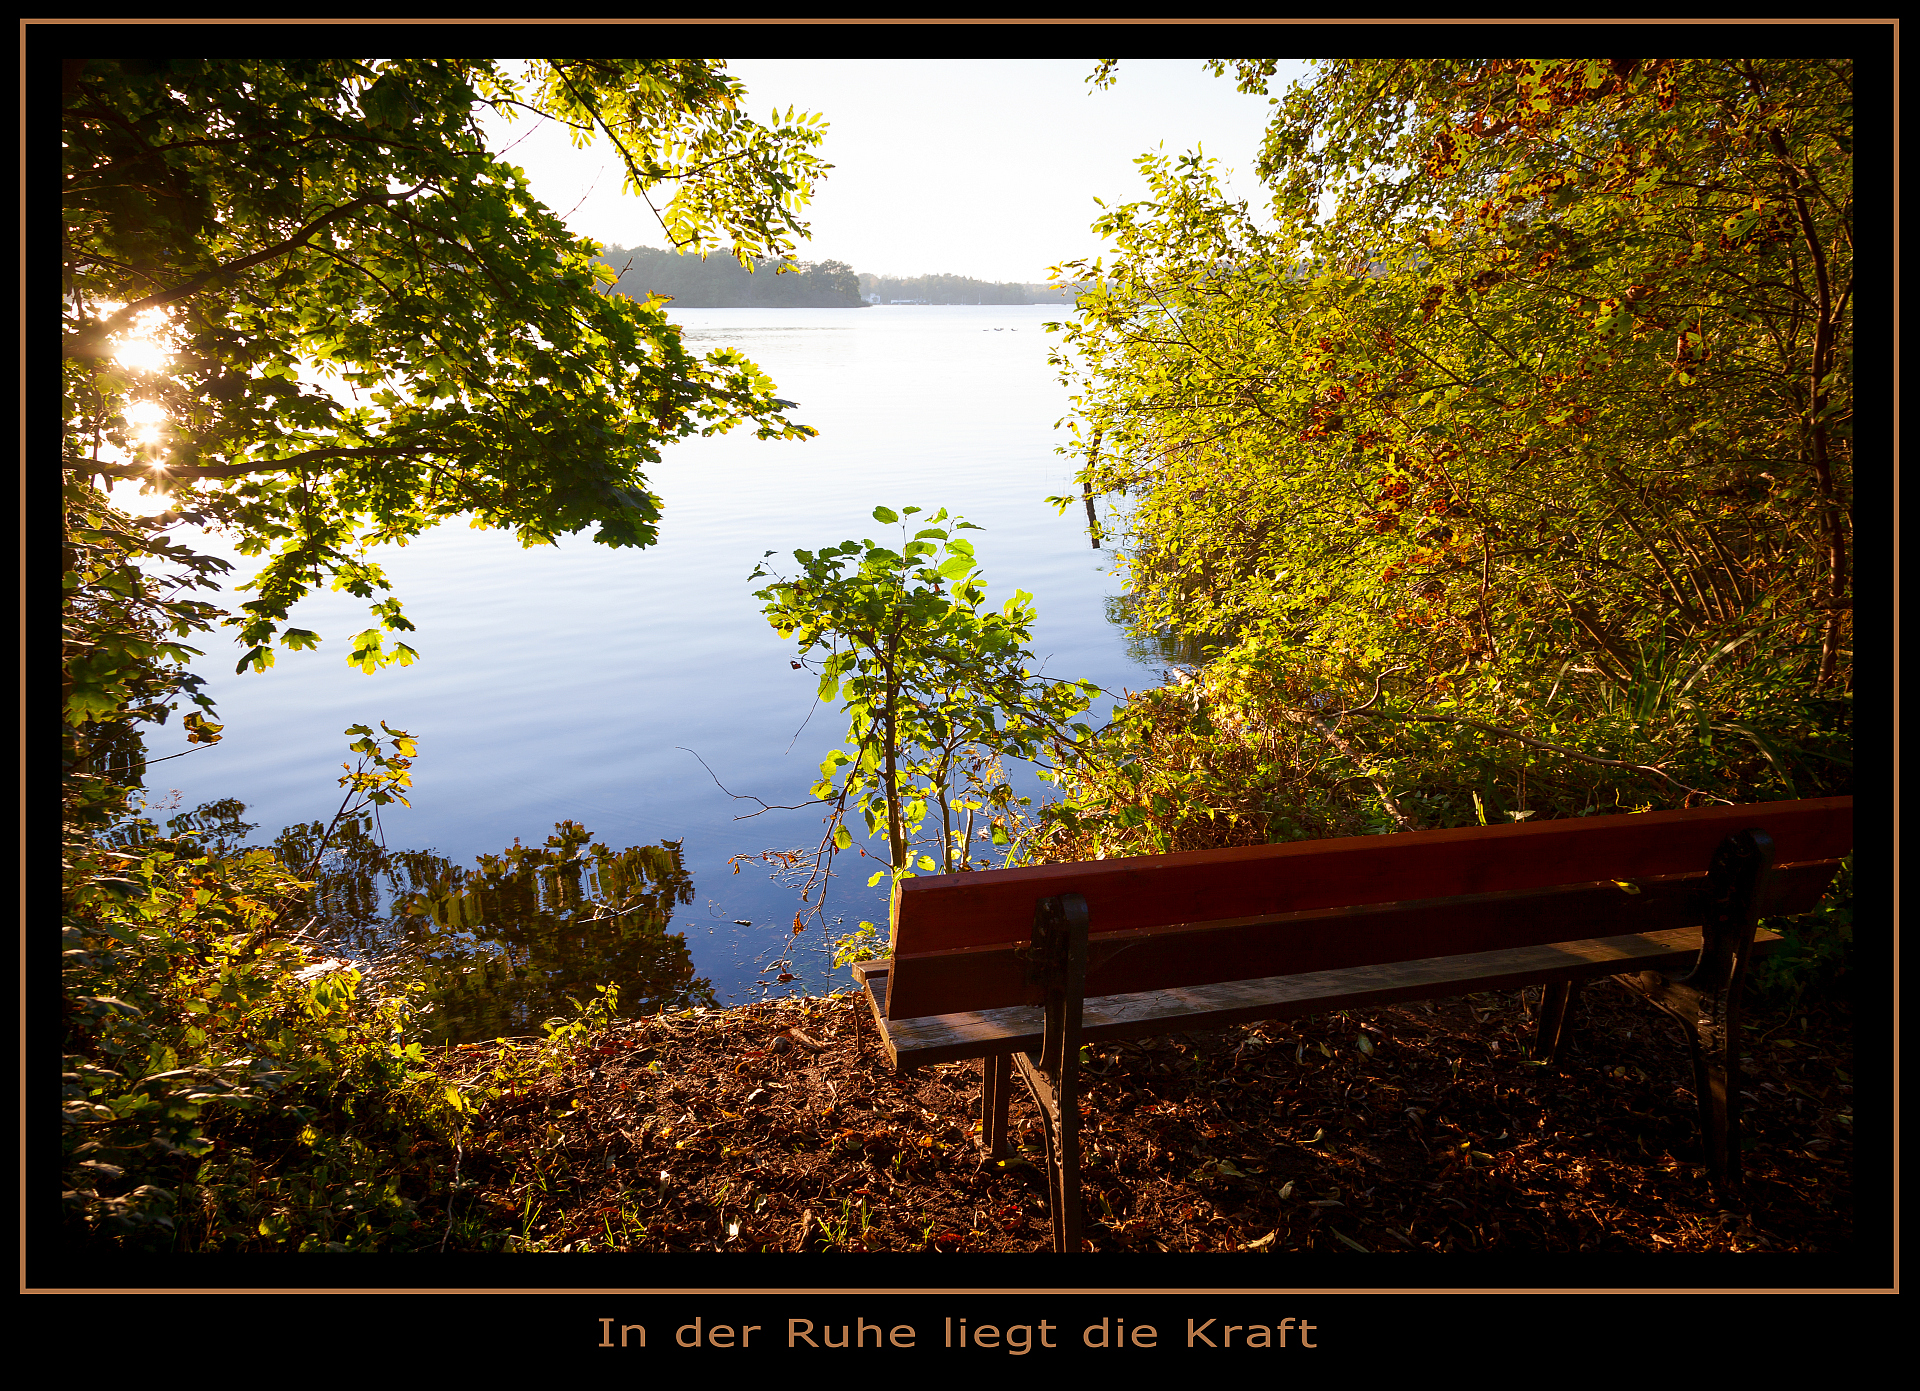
(1709, 1021)
(1706, 1001)
(996, 1090)
(1555, 1006)
(1060, 1125)
(1065, 1167)
(1713, 1043)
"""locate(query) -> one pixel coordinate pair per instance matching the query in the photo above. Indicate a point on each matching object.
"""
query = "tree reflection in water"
(504, 946)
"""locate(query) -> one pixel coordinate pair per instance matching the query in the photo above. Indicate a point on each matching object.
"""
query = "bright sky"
(979, 167)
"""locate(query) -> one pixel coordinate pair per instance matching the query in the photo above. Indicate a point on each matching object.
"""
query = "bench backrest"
(1162, 921)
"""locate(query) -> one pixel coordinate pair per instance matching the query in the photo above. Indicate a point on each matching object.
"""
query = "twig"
(453, 1193)
(1362, 709)
(182, 754)
(747, 796)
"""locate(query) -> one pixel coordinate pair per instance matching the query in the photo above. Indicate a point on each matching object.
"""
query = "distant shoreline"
(718, 281)
(940, 304)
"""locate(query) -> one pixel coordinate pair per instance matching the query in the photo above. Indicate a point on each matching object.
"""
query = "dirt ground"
(1415, 1128)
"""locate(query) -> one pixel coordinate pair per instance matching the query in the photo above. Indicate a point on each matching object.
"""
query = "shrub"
(225, 1088)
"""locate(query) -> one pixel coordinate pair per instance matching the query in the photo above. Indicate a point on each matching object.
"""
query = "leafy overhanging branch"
(278, 219)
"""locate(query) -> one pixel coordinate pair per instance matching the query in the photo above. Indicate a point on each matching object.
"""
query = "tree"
(303, 301)
(1544, 429)
(930, 681)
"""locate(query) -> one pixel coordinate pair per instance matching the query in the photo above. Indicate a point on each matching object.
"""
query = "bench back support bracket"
(1059, 966)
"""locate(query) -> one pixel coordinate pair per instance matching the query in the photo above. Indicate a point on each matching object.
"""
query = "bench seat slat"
(918, 1042)
(968, 979)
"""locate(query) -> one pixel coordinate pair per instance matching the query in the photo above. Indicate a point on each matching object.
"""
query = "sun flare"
(141, 348)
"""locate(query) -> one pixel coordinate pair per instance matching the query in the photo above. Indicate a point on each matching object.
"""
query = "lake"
(566, 683)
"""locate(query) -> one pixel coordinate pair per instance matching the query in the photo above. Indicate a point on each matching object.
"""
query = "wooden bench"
(1022, 966)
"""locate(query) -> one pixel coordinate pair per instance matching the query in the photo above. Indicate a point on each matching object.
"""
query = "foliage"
(200, 1026)
(221, 1092)
(1529, 465)
(692, 281)
(378, 778)
(228, 1085)
(1818, 951)
(936, 690)
(121, 661)
(304, 303)
(1247, 751)
(864, 943)
(738, 185)
(596, 1014)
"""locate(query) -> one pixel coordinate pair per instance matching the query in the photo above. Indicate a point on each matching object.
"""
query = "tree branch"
(218, 471)
(91, 342)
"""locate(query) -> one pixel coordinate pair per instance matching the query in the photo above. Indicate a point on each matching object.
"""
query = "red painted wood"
(943, 912)
(1327, 939)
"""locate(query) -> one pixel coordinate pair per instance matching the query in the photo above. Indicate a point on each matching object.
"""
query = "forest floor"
(1422, 1127)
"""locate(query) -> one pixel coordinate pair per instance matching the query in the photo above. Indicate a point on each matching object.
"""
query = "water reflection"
(918, 402)
(506, 945)
(1154, 647)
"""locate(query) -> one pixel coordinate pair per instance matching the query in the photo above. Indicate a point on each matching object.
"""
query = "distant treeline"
(720, 282)
(955, 289)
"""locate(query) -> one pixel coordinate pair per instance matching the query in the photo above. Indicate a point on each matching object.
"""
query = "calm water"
(563, 683)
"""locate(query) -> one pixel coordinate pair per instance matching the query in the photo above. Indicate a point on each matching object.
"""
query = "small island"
(719, 281)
